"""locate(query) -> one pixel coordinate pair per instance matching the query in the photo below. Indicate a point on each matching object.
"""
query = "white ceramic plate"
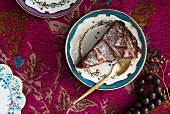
(88, 29)
(49, 8)
(12, 100)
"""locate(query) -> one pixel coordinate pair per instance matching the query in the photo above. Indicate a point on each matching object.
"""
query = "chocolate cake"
(117, 43)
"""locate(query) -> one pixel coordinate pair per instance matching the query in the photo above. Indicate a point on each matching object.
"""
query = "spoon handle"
(101, 82)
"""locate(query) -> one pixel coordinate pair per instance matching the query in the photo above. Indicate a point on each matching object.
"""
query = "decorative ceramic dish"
(88, 29)
(49, 8)
(12, 100)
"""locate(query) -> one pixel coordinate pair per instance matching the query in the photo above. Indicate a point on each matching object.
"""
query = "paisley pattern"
(34, 49)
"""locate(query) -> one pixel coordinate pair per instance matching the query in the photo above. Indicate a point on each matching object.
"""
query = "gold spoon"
(118, 69)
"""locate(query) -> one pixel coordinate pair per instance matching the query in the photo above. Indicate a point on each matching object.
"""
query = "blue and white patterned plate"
(12, 100)
(84, 35)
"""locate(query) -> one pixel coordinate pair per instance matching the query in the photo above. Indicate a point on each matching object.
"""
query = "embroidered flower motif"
(65, 103)
(153, 61)
(142, 12)
(18, 61)
(108, 106)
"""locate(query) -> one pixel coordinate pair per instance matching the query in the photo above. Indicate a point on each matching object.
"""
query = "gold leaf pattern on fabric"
(72, 17)
(129, 87)
(153, 61)
(15, 18)
(57, 27)
(108, 107)
(14, 49)
(3, 58)
(163, 75)
(82, 105)
(65, 103)
(158, 110)
(157, 65)
(142, 11)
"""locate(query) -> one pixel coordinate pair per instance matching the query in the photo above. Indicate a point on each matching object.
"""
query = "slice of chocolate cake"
(118, 43)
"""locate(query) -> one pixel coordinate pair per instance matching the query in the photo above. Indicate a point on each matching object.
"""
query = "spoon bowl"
(120, 67)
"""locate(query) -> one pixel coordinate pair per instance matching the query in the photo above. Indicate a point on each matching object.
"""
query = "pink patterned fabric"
(34, 49)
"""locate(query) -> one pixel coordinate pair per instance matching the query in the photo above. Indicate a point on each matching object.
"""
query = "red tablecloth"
(34, 49)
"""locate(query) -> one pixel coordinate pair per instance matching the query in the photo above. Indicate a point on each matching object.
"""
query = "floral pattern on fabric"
(35, 50)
